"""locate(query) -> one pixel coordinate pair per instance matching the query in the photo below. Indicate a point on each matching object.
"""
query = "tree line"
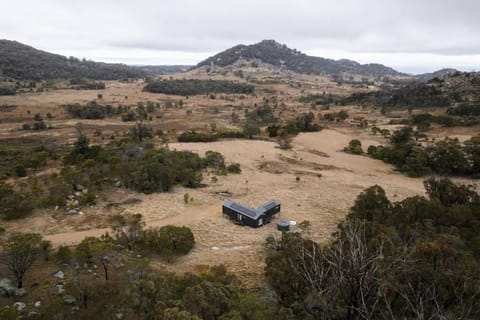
(188, 87)
(445, 157)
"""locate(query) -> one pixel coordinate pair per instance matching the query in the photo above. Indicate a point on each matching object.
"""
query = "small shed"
(251, 217)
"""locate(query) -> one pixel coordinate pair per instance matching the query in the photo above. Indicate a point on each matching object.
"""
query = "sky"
(411, 36)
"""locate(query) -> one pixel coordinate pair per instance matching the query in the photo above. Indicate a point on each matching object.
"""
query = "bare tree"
(347, 274)
(103, 251)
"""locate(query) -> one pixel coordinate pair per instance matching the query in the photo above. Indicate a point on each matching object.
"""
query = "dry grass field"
(314, 180)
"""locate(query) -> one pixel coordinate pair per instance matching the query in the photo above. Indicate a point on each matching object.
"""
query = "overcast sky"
(409, 35)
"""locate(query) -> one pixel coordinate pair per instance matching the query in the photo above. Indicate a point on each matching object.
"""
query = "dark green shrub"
(234, 168)
(354, 146)
(14, 205)
(193, 136)
(168, 241)
(63, 255)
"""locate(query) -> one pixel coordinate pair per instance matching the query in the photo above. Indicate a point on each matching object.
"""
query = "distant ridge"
(164, 69)
(22, 62)
(274, 53)
(425, 77)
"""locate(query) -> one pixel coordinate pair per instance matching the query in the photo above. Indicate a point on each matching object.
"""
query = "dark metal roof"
(252, 213)
(240, 208)
(269, 205)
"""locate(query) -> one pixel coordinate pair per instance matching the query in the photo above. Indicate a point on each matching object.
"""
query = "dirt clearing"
(328, 182)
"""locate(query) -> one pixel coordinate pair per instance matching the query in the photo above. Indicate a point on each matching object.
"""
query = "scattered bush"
(14, 205)
(250, 129)
(446, 157)
(193, 136)
(417, 246)
(140, 131)
(354, 147)
(91, 110)
(342, 115)
(93, 86)
(7, 91)
(168, 241)
(413, 95)
(234, 168)
(129, 116)
(63, 255)
(470, 110)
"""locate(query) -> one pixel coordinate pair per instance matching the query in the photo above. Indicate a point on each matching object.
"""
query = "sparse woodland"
(412, 259)
(366, 251)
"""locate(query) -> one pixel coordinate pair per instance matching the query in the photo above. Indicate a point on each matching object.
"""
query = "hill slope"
(425, 77)
(274, 53)
(451, 89)
(19, 61)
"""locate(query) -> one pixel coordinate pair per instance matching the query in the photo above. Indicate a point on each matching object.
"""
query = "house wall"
(240, 218)
(273, 211)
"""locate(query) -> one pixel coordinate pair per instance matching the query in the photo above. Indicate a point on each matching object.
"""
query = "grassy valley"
(112, 181)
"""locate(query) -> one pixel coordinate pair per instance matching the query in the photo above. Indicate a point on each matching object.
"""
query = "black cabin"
(251, 217)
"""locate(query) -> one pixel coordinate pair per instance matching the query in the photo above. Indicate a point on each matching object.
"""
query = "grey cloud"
(195, 27)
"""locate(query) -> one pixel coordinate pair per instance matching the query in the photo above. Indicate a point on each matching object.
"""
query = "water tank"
(283, 225)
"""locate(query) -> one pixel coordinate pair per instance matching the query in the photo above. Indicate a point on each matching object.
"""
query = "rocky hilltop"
(281, 56)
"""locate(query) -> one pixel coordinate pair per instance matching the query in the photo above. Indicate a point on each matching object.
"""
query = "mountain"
(425, 77)
(160, 70)
(279, 55)
(19, 61)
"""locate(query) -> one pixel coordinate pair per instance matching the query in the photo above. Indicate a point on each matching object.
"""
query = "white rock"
(60, 288)
(20, 306)
(215, 248)
(59, 274)
(37, 304)
(68, 299)
(8, 288)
